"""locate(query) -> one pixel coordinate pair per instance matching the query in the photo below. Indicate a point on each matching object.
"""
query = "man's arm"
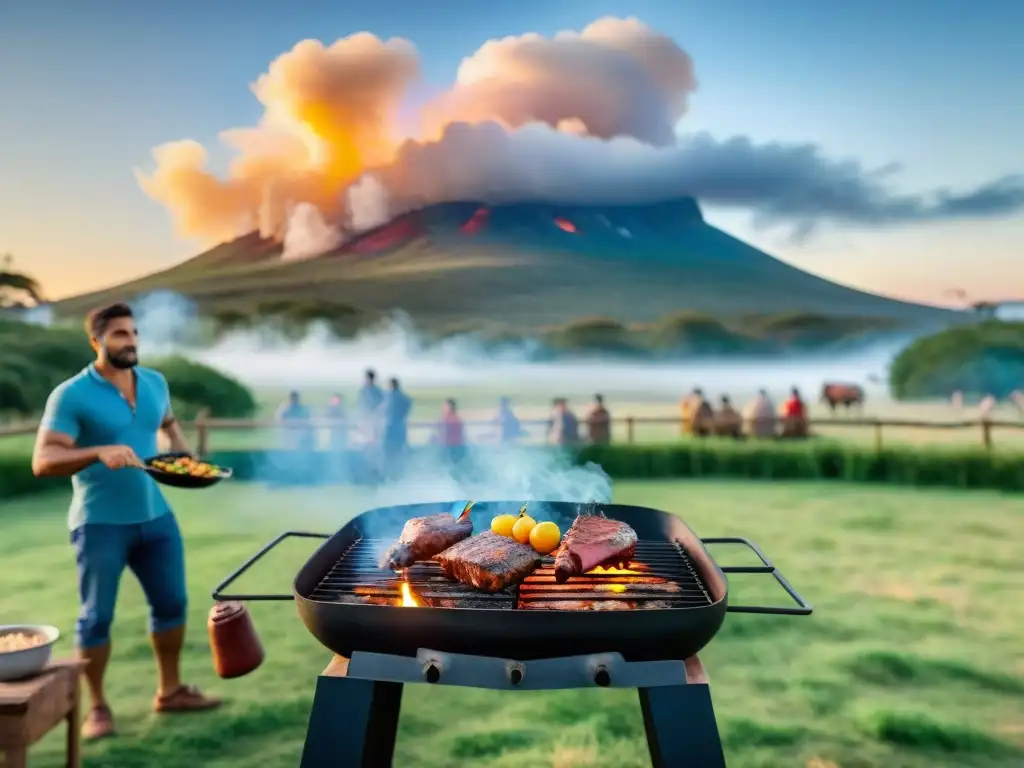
(55, 455)
(175, 435)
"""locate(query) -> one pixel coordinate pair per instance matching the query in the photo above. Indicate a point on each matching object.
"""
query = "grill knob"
(516, 673)
(432, 671)
(602, 677)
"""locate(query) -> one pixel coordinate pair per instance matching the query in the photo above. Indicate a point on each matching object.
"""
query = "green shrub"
(979, 359)
(967, 469)
(594, 334)
(36, 359)
(697, 333)
(195, 386)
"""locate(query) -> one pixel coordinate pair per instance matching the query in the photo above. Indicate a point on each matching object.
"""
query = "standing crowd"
(378, 422)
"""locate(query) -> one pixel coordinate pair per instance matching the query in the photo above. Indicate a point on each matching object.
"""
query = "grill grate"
(660, 575)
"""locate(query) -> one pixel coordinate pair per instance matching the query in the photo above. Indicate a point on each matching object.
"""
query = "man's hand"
(118, 457)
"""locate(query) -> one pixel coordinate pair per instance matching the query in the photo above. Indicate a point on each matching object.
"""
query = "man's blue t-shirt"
(93, 412)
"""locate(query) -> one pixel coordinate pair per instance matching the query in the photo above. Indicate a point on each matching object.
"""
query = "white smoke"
(368, 204)
(41, 314)
(262, 358)
(308, 234)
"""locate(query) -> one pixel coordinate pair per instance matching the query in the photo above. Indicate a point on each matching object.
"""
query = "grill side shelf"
(803, 607)
(218, 591)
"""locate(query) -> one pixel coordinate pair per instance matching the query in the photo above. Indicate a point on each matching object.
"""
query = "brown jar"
(236, 647)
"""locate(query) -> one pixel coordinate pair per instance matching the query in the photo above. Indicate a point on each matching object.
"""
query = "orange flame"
(565, 225)
(409, 600)
(615, 571)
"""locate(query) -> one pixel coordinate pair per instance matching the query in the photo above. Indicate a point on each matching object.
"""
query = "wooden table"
(29, 709)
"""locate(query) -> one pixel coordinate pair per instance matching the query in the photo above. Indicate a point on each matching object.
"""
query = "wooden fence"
(202, 428)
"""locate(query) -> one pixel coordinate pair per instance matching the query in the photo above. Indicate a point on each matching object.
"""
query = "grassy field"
(912, 658)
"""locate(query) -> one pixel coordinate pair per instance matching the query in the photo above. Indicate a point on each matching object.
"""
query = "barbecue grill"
(639, 627)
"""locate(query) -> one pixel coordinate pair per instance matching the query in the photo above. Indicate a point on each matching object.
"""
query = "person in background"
(338, 432)
(794, 415)
(698, 414)
(451, 432)
(95, 428)
(1017, 398)
(294, 411)
(599, 423)
(509, 428)
(394, 412)
(986, 406)
(759, 416)
(368, 402)
(564, 427)
(728, 422)
(957, 400)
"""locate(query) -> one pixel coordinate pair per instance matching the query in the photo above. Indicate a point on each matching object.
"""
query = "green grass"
(912, 658)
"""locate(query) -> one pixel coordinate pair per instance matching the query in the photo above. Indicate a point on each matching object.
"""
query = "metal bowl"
(15, 665)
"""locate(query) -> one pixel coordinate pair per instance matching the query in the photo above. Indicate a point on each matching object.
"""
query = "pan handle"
(803, 607)
(218, 591)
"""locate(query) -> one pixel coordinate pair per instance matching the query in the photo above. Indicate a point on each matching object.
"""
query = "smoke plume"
(583, 117)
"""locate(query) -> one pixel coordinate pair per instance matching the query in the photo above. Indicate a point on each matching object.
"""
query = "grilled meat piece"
(424, 537)
(489, 562)
(594, 605)
(592, 541)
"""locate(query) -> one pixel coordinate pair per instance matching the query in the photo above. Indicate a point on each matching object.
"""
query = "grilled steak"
(489, 562)
(424, 537)
(591, 541)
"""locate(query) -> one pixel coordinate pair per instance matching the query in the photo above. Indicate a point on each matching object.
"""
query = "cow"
(835, 393)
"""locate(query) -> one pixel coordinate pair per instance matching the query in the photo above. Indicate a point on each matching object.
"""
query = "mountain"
(527, 265)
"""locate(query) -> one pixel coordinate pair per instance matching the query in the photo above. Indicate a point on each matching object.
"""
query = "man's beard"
(125, 359)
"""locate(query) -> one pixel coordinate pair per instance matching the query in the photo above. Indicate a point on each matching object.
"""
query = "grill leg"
(681, 727)
(352, 724)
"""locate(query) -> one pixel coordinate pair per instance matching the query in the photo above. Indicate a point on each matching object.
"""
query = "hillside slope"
(528, 264)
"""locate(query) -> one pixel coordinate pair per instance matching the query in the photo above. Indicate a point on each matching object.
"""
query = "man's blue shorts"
(155, 553)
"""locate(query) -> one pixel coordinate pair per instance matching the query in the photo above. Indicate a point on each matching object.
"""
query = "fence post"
(629, 429)
(202, 432)
(986, 434)
(878, 436)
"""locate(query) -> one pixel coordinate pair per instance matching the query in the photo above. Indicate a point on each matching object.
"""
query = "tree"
(17, 289)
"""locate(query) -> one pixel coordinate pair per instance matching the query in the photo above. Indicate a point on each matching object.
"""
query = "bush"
(595, 334)
(195, 386)
(981, 359)
(696, 333)
(36, 359)
(974, 469)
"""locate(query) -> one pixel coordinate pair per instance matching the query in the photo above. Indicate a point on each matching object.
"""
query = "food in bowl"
(21, 640)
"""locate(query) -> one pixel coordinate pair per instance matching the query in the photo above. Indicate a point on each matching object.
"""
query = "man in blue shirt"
(96, 426)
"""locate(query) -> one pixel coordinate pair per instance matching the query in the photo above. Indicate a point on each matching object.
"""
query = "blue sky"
(932, 85)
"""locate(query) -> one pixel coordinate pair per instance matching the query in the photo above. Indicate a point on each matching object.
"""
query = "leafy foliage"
(985, 358)
(36, 359)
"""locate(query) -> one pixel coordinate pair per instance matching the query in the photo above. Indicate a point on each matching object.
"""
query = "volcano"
(528, 264)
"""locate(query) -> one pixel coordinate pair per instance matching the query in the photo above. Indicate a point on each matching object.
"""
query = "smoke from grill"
(581, 117)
